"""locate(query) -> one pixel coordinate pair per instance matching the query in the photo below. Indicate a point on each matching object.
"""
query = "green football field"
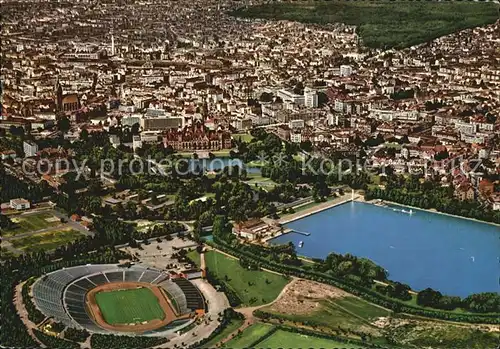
(129, 306)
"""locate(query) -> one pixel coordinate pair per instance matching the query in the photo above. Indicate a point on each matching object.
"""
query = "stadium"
(107, 298)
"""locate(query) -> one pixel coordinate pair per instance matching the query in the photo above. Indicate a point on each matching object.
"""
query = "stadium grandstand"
(62, 294)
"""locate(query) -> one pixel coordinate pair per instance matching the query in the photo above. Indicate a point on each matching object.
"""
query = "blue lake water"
(455, 256)
(216, 164)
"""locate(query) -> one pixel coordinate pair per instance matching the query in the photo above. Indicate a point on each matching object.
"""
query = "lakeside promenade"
(310, 211)
(431, 210)
(318, 208)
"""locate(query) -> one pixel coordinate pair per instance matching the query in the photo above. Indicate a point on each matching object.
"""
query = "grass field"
(244, 137)
(384, 24)
(129, 306)
(28, 223)
(285, 339)
(253, 287)
(45, 241)
(249, 336)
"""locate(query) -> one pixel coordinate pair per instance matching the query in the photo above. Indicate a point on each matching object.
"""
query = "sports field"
(129, 306)
(32, 222)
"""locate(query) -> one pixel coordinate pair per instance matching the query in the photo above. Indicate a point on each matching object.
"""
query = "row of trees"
(346, 265)
(487, 302)
(76, 335)
(107, 341)
(34, 315)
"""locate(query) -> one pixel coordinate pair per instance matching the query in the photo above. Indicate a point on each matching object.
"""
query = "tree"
(63, 124)
(84, 135)
(428, 297)
(266, 97)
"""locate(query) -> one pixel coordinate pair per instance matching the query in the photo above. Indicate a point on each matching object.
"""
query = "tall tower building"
(112, 45)
(58, 92)
(310, 98)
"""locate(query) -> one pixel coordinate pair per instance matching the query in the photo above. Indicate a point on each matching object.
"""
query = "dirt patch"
(304, 296)
(95, 311)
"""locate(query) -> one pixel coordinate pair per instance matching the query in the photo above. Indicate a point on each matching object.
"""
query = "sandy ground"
(304, 296)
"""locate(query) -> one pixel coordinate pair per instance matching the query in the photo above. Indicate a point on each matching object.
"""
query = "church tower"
(58, 92)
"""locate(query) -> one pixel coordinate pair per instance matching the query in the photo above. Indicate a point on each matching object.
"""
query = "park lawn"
(45, 241)
(232, 326)
(29, 223)
(195, 257)
(129, 306)
(285, 339)
(257, 163)
(244, 137)
(249, 336)
(383, 24)
(256, 179)
(253, 287)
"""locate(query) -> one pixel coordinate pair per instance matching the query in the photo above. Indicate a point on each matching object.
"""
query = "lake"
(455, 256)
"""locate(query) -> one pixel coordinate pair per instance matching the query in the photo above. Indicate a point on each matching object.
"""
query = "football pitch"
(129, 306)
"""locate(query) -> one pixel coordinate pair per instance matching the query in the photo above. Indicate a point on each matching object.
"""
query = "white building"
(131, 120)
(114, 140)
(19, 204)
(289, 96)
(136, 142)
(310, 98)
(296, 137)
(30, 149)
(345, 70)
